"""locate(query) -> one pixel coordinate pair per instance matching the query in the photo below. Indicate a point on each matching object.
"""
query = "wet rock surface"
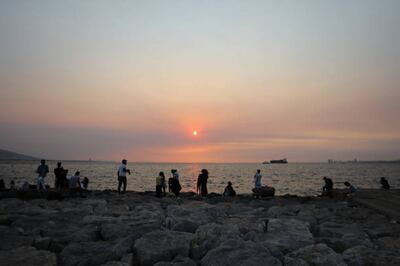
(106, 228)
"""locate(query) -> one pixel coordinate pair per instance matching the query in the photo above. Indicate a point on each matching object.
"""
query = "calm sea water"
(292, 178)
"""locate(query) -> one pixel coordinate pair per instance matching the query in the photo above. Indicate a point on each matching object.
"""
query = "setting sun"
(194, 133)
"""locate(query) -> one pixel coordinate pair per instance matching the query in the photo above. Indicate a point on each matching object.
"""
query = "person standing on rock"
(60, 175)
(122, 170)
(42, 171)
(257, 179)
(160, 184)
(202, 183)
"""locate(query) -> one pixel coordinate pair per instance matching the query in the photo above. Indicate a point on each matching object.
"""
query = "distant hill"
(9, 155)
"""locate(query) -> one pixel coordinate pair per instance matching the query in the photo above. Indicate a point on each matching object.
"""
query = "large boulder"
(87, 253)
(190, 216)
(162, 246)
(177, 261)
(210, 236)
(341, 236)
(24, 256)
(316, 255)
(11, 238)
(286, 235)
(361, 255)
(239, 252)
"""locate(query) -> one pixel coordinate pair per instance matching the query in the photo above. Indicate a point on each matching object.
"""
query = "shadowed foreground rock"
(106, 228)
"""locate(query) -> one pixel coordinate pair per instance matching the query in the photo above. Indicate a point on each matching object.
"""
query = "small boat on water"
(279, 161)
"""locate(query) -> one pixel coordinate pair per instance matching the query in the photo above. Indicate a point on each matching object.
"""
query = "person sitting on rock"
(385, 183)
(327, 190)
(352, 189)
(85, 183)
(75, 184)
(229, 191)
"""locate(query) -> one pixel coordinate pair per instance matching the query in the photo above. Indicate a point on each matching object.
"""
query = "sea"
(303, 179)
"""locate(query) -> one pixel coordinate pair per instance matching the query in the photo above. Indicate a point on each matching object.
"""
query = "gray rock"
(286, 235)
(11, 238)
(190, 216)
(342, 236)
(87, 253)
(316, 255)
(115, 263)
(239, 252)
(360, 256)
(389, 243)
(178, 261)
(42, 243)
(24, 256)
(162, 246)
(210, 236)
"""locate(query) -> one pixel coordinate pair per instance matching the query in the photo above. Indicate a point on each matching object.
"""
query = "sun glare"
(194, 132)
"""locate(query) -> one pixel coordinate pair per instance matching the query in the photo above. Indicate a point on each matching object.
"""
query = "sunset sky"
(258, 80)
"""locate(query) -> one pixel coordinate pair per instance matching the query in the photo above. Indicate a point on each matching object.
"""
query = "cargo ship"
(279, 161)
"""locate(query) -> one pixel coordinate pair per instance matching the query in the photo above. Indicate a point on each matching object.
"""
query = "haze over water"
(295, 178)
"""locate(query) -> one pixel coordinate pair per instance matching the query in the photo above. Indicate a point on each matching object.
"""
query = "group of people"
(75, 185)
(327, 189)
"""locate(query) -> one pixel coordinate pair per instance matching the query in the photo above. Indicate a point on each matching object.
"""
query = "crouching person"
(75, 184)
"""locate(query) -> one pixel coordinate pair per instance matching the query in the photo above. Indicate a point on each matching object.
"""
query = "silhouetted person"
(42, 171)
(74, 184)
(174, 186)
(257, 179)
(385, 183)
(229, 191)
(85, 183)
(175, 174)
(352, 189)
(160, 184)
(202, 183)
(328, 188)
(122, 170)
(60, 174)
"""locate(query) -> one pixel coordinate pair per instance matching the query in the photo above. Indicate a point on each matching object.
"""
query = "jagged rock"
(342, 236)
(178, 261)
(162, 246)
(189, 217)
(11, 238)
(87, 253)
(116, 263)
(210, 236)
(316, 255)
(286, 235)
(239, 252)
(123, 246)
(360, 256)
(24, 256)
(42, 243)
(389, 243)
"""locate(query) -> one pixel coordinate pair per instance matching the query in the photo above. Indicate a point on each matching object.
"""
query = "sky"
(258, 80)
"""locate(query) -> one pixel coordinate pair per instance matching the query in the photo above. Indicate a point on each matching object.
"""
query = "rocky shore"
(106, 228)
